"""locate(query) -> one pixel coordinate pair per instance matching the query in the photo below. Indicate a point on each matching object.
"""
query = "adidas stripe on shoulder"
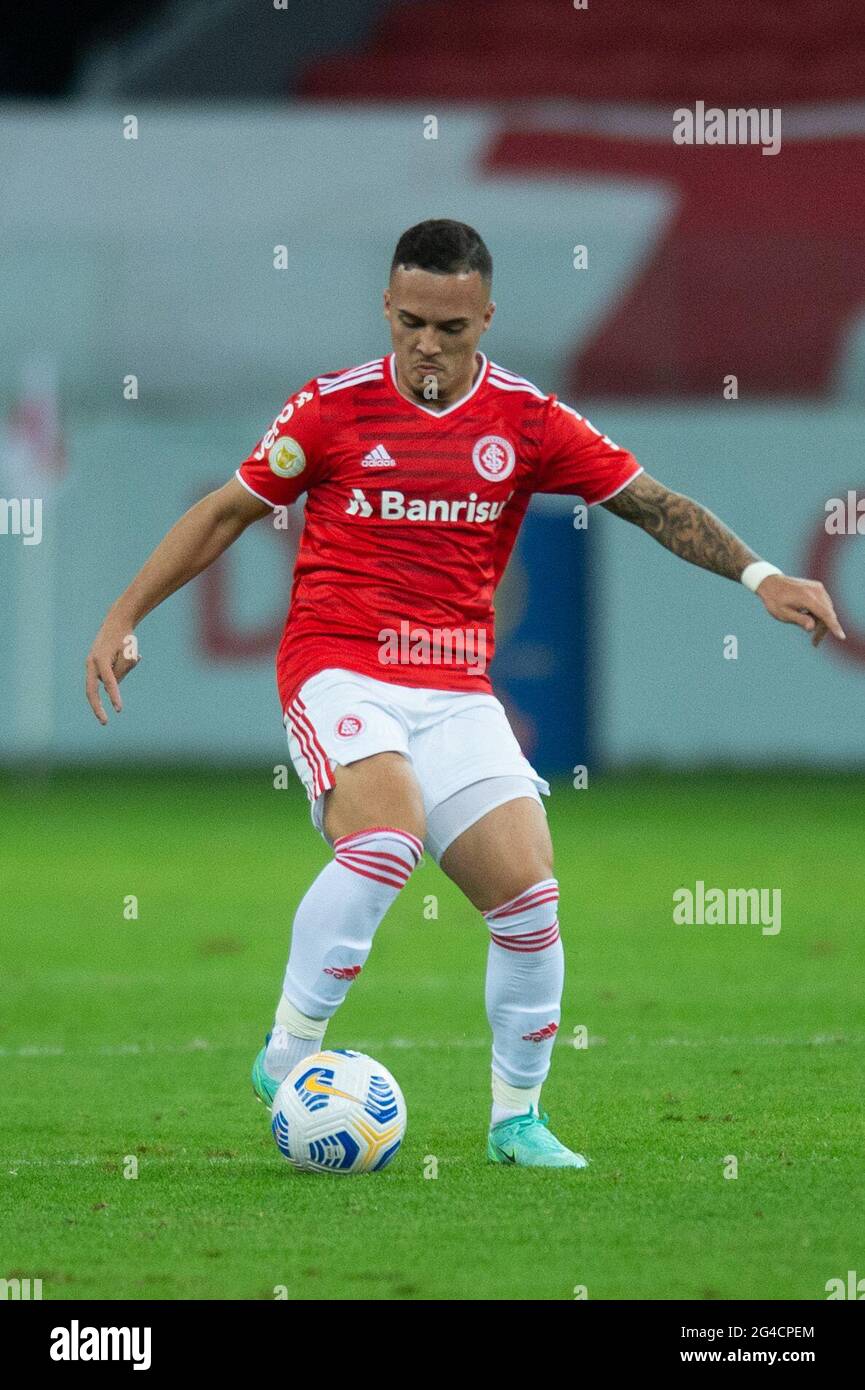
(504, 380)
(353, 376)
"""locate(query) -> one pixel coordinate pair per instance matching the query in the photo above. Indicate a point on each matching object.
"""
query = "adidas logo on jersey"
(394, 507)
(378, 458)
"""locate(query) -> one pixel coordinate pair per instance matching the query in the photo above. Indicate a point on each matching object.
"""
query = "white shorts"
(453, 740)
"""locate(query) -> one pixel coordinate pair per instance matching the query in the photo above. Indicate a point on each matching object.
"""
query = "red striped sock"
(337, 919)
(525, 977)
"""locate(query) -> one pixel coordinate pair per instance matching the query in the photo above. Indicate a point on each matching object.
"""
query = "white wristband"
(752, 575)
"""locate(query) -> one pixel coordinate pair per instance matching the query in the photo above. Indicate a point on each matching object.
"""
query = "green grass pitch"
(135, 1037)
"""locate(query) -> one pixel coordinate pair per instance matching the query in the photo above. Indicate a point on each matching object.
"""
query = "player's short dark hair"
(445, 248)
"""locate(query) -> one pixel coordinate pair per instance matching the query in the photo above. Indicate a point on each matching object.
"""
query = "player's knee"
(526, 890)
(540, 869)
(378, 791)
(382, 854)
(528, 922)
(525, 878)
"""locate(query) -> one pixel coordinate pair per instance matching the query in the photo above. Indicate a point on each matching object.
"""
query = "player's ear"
(387, 304)
(488, 314)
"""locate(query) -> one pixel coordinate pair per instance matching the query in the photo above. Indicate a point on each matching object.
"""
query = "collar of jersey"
(449, 409)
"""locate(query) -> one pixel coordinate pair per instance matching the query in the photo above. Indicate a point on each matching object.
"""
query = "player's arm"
(697, 535)
(193, 543)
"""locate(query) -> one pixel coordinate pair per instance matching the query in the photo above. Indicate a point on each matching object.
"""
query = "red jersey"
(412, 513)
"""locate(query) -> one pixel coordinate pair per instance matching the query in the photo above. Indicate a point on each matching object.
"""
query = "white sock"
(525, 977)
(293, 1037)
(510, 1101)
(332, 936)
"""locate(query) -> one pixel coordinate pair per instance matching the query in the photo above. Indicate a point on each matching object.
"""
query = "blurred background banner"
(203, 218)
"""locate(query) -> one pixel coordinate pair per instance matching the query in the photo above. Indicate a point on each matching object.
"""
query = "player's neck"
(458, 393)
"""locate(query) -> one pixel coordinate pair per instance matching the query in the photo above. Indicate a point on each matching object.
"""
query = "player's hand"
(112, 656)
(801, 601)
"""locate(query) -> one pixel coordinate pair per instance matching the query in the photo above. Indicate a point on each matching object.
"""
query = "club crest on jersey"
(494, 458)
(286, 458)
(349, 725)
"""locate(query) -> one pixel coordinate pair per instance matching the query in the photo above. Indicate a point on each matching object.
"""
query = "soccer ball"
(339, 1112)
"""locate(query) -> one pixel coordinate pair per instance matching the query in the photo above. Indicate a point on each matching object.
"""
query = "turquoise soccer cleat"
(526, 1142)
(264, 1086)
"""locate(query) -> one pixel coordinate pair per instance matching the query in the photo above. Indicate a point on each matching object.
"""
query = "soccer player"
(418, 468)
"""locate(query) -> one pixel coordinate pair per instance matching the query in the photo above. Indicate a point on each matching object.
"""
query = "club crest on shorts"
(349, 725)
(494, 457)
(286, 458)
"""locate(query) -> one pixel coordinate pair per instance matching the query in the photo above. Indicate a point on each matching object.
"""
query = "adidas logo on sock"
(549, 1030)
(378, 458)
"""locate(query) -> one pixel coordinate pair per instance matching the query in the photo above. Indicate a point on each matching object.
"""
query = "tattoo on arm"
(682, 525)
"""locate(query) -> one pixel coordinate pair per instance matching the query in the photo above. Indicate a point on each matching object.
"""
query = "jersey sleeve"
(288, 458)
(576, 458)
